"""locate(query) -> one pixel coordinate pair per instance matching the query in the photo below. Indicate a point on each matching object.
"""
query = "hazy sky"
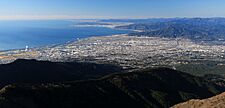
(67, 9)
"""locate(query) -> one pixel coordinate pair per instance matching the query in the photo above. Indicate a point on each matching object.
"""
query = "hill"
(154, 88)
(33, 71)
(200, 29)
(213, 102)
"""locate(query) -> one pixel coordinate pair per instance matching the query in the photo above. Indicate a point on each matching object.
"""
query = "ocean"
(36, 33)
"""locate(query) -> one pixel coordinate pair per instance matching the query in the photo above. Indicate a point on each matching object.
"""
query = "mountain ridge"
(34, 71)
(198, 29)
(217, 101)
(155, 88)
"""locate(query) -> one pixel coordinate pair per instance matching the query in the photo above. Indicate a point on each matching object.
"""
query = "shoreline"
(77, 32)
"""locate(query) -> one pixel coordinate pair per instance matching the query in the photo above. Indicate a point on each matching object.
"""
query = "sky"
(92, 9)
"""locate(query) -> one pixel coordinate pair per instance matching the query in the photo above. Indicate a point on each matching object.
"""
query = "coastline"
(44, 33)
(8, 56)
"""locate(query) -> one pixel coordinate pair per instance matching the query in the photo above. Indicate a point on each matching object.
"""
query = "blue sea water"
(35, 33)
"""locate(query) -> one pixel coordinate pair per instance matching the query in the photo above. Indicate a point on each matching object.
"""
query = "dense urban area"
(126, 51)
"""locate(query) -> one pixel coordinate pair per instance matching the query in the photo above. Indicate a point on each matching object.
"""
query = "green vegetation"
(202, 68)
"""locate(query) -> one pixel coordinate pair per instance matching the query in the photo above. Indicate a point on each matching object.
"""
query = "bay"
(35, 33)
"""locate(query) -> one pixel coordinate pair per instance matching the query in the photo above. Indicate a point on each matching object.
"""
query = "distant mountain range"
(56, 85)
(204, 29)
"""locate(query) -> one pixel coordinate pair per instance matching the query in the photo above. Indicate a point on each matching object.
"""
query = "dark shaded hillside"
(32, 71)
(153, 88)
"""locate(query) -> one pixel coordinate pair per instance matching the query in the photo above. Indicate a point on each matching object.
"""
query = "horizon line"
(69, 17)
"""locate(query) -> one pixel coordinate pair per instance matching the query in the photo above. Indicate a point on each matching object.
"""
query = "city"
(130, 52)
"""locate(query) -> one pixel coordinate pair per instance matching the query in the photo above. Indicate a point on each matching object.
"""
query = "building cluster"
(126, 51)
